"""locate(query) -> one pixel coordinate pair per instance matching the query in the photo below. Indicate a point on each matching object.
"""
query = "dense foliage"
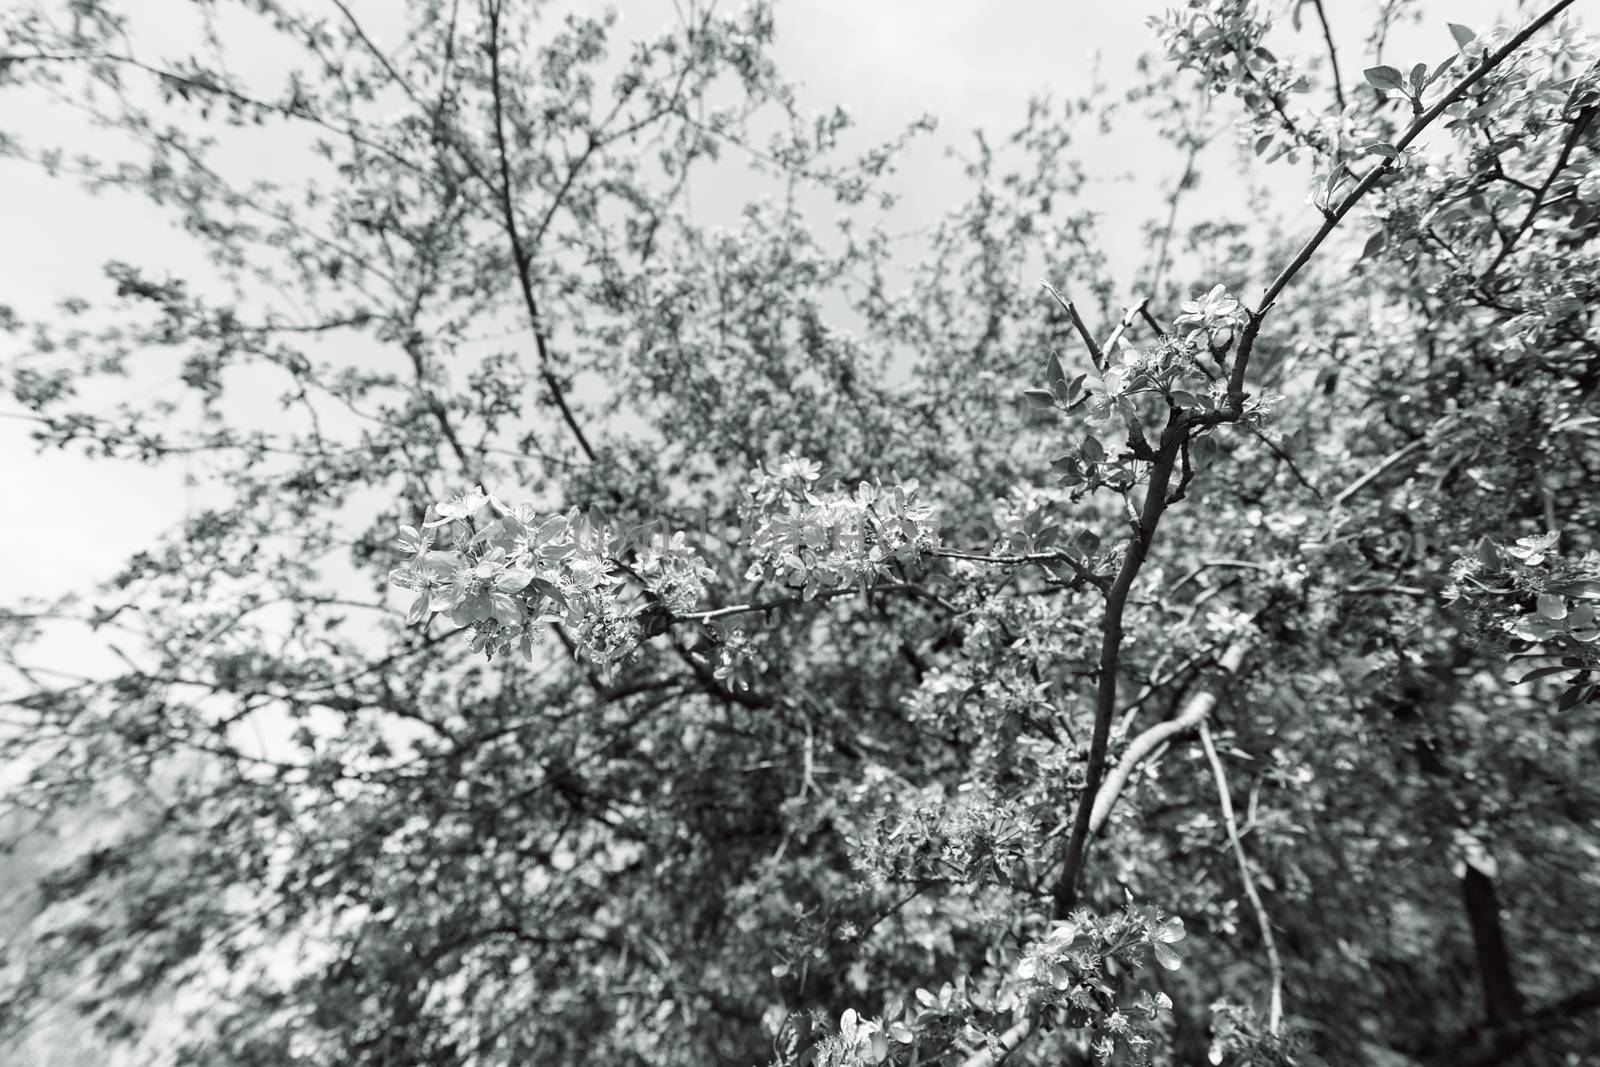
(796, 650)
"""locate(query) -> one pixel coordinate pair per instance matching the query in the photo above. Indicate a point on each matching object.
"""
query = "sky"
(972, 63)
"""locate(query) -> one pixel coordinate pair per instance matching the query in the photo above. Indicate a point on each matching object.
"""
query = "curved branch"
(1194, 713)
(1225, 802)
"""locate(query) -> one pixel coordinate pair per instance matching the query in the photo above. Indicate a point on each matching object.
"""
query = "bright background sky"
(972, 63)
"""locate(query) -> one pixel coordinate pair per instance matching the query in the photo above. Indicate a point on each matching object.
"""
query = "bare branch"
(1198, 708)
(1128, 315)
(518, 253)
(1225, 802)
(1333, 53)
(1095, 354)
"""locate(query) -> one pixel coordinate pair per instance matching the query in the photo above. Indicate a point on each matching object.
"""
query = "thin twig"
(1128, 316)
(1164, 253)
(1095, 354)
(1578, 126)
(518, 253)
(1389, 462)
(1225, 802)
(1294, 468)
(903, 588)
(1333, 54)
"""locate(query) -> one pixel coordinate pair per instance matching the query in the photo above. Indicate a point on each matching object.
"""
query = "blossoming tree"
(807, 657)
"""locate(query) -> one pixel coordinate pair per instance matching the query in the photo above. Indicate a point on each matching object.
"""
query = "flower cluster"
(506, 573)
(674, 572)
(739, 658)
(814, 543)
(1069, 969)
(859, 1041)
(1214, 315)
(790, 476)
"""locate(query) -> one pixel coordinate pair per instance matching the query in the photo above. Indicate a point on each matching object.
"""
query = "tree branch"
(1155, 505)
(1195, 711)
(1095, 354)
(1133, 311)
(1225, 802)
(1198, 708)
(1419, 124)
(1233, 407)
(518, 253)
(1578, 126)
(1333, 54)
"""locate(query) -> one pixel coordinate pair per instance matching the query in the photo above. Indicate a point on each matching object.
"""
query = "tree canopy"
(806, 644)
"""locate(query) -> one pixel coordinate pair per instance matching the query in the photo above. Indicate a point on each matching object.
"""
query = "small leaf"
(1381, 148)
(1542, 672)
(419, 609)
(1093, 451)
(1055, 377)
(1552, 607)
(1440, 69)
(1489, 554)
(1040, 398)
(1384, 77)
(1374, 244)
(1462, 35)
(1419, 77)
(1581, 590)
(514, 580)
(1167, 956)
